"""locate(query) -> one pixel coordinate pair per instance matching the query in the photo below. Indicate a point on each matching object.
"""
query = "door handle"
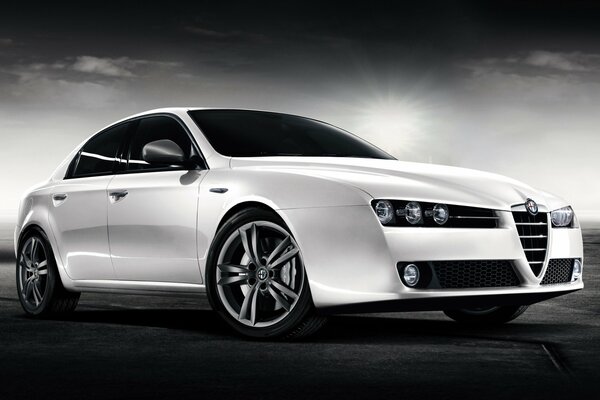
(118, 194)
(58, 199)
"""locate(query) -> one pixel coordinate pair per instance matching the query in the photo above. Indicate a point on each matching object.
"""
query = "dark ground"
(142, 347)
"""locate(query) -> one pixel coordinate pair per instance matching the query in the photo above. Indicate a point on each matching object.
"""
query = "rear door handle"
(58, 199)
(118, 194)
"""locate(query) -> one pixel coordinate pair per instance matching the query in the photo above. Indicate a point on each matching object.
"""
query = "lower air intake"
(559, 271)
(475, 274)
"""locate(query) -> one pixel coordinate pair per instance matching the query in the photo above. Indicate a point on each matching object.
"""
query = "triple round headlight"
(385, 211)
(412, 212)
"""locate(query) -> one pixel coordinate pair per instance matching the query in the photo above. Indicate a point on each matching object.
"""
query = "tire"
(488, 316)
(39, 288)
(256, 279)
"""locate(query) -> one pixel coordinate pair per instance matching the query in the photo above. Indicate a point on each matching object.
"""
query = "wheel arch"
(34, 226)
(26, 231)
(243, 206)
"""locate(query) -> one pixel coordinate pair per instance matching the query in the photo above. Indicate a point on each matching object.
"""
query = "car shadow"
(339, 329)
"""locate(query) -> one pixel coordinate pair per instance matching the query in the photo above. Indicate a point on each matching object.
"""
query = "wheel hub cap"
(262, 274)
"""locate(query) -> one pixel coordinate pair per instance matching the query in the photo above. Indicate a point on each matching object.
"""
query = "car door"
(78, 219)
(152, 210)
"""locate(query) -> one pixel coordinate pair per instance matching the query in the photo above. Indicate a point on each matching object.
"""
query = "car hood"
(394, 179)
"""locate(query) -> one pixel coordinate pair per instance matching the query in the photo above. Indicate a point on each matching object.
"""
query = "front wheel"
(486, 315)
(256, 278)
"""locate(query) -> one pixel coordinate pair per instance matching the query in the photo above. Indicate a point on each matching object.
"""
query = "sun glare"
(397, 124)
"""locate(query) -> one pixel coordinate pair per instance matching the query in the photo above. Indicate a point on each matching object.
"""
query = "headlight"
(414, 215)
(385, 211)
(440, 214)
(562, 217)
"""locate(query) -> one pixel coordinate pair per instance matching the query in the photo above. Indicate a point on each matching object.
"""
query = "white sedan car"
(282, 220)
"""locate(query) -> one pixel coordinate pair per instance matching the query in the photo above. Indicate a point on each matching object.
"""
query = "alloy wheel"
(260, 274)
(33, 272)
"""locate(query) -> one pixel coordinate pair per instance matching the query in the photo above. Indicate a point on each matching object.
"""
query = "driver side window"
(157, 128)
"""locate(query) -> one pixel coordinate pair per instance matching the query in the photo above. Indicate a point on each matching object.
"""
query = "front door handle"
(118, 195)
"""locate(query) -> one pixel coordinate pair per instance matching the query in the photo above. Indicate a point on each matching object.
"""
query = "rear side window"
(157, 128)
(99, 155)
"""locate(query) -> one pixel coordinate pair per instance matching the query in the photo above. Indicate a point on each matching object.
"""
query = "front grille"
(559, 271)
(475, 274)
(533, 232)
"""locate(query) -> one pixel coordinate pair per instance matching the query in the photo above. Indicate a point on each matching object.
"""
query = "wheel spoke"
(43, 268)
(249, 301)
(253, 308)
(34, 246)
(26, 292)
(250, 242)
(37, 296)
(23, 264)
(228, 280)
(279, 249)
(26, 259)
(285, 290)
(233, 268)
(279, 298)
(285, 257)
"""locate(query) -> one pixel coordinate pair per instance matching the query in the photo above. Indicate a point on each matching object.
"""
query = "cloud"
(122, 67)
(6, 41)
(563, 61)
(89, 68)
(537, 63)
(104, 66)
(86, 82)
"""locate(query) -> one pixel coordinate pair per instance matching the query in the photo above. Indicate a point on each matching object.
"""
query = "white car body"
(156, 241)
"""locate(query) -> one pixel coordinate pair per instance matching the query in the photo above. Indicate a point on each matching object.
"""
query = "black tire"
(301, 321)
(490, 316)
(56, 299)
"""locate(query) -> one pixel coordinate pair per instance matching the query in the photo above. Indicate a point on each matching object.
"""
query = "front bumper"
(351, 260)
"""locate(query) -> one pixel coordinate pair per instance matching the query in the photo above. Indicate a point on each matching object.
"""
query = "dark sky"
(508, 86)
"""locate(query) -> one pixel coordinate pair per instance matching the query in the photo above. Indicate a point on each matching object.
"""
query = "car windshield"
(240, 133)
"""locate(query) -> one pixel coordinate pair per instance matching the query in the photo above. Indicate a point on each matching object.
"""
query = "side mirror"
(163, 151)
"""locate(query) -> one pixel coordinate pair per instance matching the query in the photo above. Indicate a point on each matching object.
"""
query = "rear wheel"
(256, 278)
(486, 315)
(39, 287)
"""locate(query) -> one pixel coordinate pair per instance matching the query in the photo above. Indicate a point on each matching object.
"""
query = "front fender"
(345, 254)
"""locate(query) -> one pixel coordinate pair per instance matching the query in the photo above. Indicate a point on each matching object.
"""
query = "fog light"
(411, 275)
(576, 271)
